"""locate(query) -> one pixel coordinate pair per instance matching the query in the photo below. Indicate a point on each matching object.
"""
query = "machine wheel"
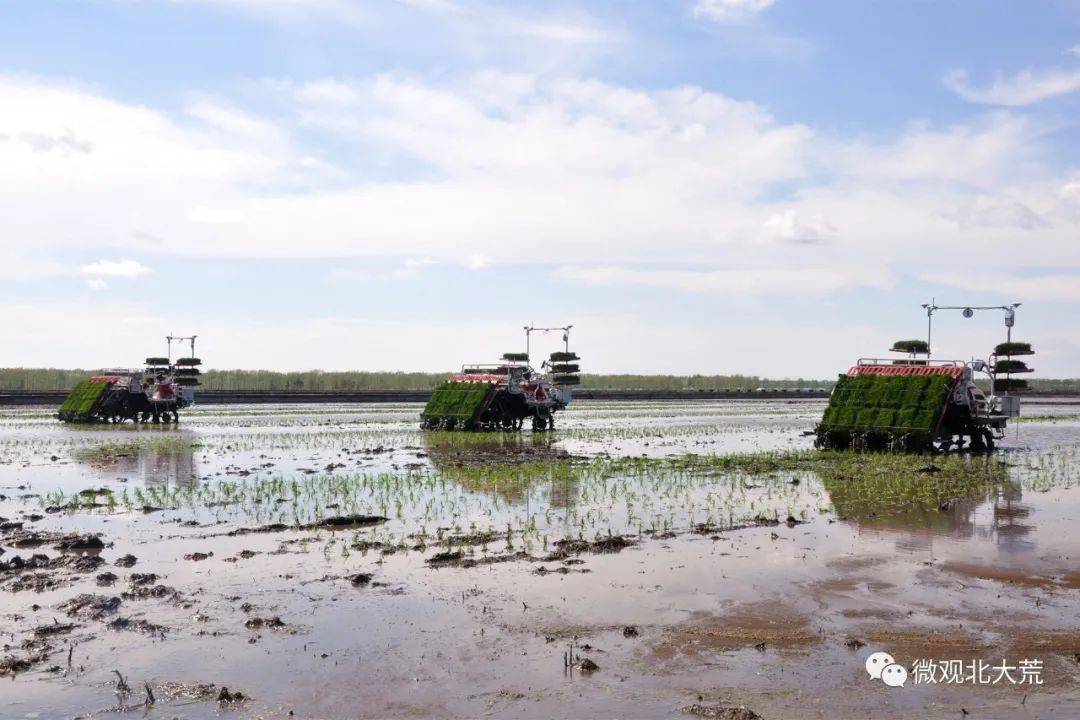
(858, 442)
(539, 423)
(978, 441)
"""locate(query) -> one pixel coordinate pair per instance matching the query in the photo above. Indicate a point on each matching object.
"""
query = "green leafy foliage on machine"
(1010, 385)
(516, 357)
(457, 402)
(898, 404)
(82, 399)
(920, 347)
(1011, 366)
(1009, 349)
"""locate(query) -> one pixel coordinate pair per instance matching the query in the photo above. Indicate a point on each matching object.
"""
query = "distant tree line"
(42, 379)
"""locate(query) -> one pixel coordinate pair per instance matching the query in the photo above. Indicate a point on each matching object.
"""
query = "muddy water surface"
(334, 562)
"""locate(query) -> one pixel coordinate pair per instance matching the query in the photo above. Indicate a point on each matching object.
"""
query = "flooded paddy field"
(645, 559)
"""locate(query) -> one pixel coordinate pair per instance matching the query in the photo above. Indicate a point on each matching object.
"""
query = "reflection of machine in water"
(153, 463)
(509, 465)
(981, 503)
(163, 467)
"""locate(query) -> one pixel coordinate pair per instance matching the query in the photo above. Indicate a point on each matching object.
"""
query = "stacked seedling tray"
(564, 368)
(1005, 365)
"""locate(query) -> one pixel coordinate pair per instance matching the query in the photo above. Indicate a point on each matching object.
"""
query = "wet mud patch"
(1062, 642)
(459, 559)
(765, 625)
(11, 665)
(721, 712)
(568, 548)
(1019, 577)
(139, 625)
(909, 645)
(851, 563)
(90, 607)
(339, 522)
(564, 551)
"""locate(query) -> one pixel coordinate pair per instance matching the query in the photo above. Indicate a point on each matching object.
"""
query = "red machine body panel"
(954, 371)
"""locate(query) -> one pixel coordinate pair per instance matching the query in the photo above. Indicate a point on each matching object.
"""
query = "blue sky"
(752, 186)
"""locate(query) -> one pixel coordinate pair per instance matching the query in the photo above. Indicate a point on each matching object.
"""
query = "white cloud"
(791, 228)
(753, 281)
(1025, 88)
(564, 32)
(999, 213)
(723, 11)
(96, 284)
(475, 21)
(494, 165)
(478, 261)
(987, 152)
(1044, 287)
(1074, 50)
(115, 268)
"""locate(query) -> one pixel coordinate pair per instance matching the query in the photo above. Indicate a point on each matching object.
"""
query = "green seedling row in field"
(898, 403)
(461, 401)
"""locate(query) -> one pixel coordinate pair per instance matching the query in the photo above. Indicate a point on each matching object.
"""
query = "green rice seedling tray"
(1011, 366)
(1013, 348)
(461, 402)
(920, 347)
(82, 399)
(899, 404)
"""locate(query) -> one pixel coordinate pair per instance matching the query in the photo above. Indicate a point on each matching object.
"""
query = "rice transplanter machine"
(502, 396)
(914, 403)
(154, 394)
